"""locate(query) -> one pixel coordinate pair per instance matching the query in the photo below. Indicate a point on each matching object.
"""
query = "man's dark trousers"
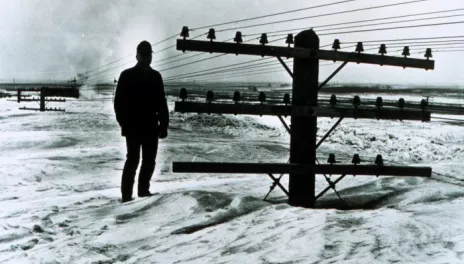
(149, 146)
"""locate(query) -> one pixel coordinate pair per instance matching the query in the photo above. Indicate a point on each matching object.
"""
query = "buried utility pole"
(303, 133)
(304, 110)
(43, 93)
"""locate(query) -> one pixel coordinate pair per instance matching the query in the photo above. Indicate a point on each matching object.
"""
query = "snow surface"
(60, 189)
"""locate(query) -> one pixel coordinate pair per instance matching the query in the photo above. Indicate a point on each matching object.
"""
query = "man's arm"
(120, 98)
(163, 110)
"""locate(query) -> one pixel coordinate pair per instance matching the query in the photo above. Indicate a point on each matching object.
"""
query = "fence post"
(303, 129)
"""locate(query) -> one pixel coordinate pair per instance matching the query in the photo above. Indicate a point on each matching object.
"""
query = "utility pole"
(303, 132)
(304, 110)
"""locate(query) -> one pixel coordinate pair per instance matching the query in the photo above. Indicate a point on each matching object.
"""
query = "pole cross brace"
(329, 132)
(284, 123)
(276, 183)
(285, 66)
(331, 186)
(332, 75)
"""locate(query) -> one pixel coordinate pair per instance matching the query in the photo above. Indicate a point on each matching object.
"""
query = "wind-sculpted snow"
(223, 124)
(238, 206)
(61, 177)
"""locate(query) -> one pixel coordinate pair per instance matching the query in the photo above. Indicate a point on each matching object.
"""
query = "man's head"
(144, 53)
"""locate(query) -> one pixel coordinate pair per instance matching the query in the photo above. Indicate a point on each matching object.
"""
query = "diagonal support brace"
(285, 66)
(329, 132)
(330, 186)
(284, 123)
(332, 75)
(277, 182)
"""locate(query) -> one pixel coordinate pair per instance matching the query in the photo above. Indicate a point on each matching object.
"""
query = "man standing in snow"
(142, 113)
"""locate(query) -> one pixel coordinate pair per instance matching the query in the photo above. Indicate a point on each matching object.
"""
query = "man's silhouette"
(142, 113)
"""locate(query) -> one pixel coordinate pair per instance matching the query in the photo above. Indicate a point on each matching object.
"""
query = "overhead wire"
(411, 45)
(379, 24)
(240, 68)
(132, 61)
(392, 28)
(381, 29)
(271, 15)
(396, 40)
(446, 23)
(217, 68)
(257, 73)
(341, 12)
(354, 10)
(442, 11)
(345, 27)
(112, 62)
(226, 23)
(321, 15)
(444, 37)
(95, 79)
(185, 64)
(368, 20)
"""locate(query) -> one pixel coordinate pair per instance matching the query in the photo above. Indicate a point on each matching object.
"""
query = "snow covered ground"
(60, 176)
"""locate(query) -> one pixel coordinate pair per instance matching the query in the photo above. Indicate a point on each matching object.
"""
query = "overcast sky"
(55, 39)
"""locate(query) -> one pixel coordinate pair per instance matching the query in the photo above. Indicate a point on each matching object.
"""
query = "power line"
(256, 72)
(321, 15)
(441, 50)
(413, 46)
(395, 40)
(391, 28)
(240, 21)
(437, 42)
(422, 25)
(270, 15)
(448, 119)
(132, 61)
(178, 66)
(182, 54)
(255, 66)
(235, 75)
(381, 29)
(445, 37)
(117, 67)
(395, 22)
(432, 47)
(249, 69)
(383, 23)
(247, 74)
(112, 62)
(155, 52)
(376, 29)
(297, 19)
(367, 20)
(220, 55)
(457, 50)
(107, 64)
(216, 68)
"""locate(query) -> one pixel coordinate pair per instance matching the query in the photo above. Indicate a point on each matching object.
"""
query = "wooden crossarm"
(278, 51)
(46, 100)
(265, 168)
(282, 110)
